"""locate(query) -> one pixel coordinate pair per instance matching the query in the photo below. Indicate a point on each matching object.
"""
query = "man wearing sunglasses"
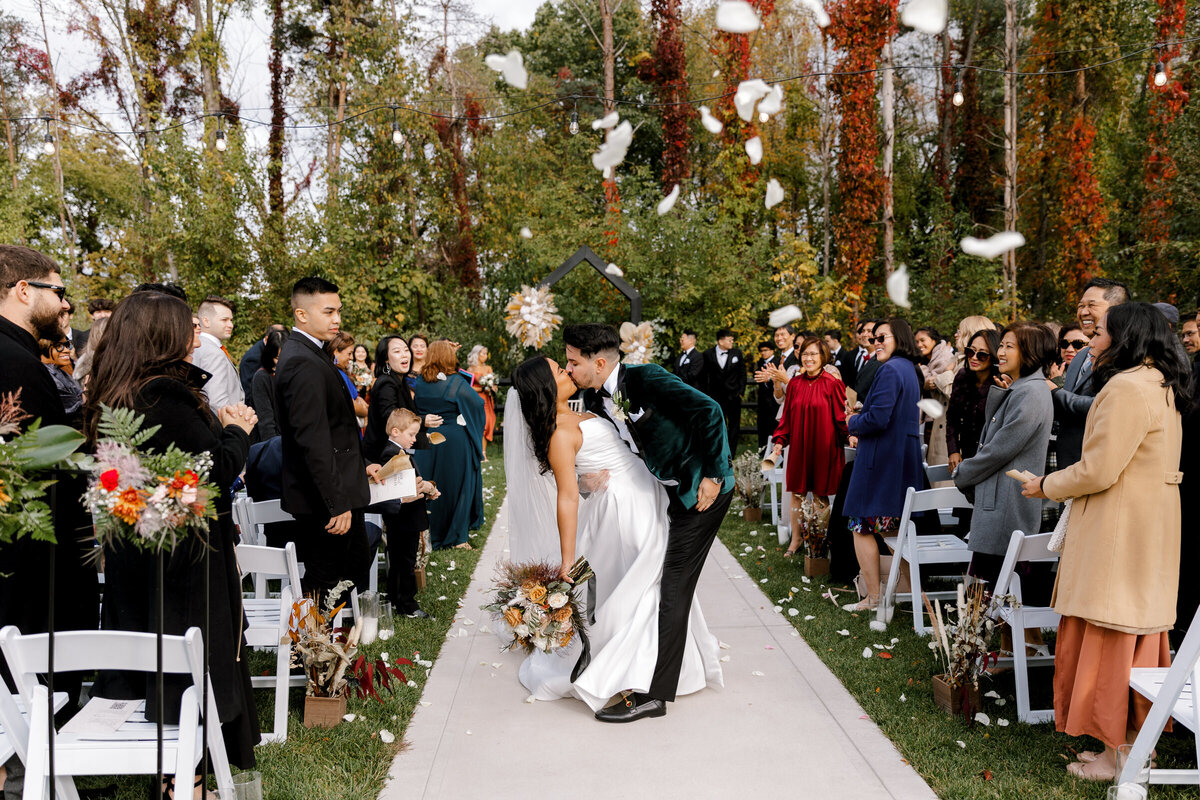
(32, 296)
(1074, 399)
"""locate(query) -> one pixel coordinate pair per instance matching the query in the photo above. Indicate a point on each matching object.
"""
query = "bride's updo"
(535, 385)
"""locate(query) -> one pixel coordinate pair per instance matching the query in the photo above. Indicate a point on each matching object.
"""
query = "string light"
(1160, 71)
(397, 134)
(574, 126)
(221, 145)
(48, 140)
(958, 98)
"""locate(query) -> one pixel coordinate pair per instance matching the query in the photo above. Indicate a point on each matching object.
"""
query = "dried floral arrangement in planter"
(749, 482)
(331, 662)
(963, 648)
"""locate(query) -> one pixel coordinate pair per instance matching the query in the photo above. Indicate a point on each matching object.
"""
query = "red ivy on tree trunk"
(667, 70)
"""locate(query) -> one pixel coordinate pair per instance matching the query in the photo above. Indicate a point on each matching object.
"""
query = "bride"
(621, 528)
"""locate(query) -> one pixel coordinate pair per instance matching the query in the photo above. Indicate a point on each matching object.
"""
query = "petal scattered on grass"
(386, 736)
(844, 632)
(1002, 723)
(878, 626)
(983, 719)
(808, 617)
(792, 612)
(350, 717)
(868, 652)
(961, 743)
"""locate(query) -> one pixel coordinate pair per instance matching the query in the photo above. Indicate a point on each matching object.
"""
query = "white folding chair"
(1022, 549)
(1173, 694)
(132, 748)
(251, 516)
(14, 735)
(908, 547)
(267, 621)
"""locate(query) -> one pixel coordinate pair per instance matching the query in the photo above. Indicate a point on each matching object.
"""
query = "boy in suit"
(404, 520)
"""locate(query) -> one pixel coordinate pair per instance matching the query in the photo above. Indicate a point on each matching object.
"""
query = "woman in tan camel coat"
(1118, 575)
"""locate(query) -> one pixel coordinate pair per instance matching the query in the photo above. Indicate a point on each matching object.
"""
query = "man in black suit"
(768, 406)
(725, 382)
(324, 476)
(839, 356)
(689, 364)
(252, 359)
(785, 343)
(32, 296)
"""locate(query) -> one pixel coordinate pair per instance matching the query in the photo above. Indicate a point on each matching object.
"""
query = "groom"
(680, 434)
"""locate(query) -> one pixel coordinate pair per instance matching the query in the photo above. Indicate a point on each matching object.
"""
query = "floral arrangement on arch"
(637, 342)
(147, 499)
(531, 316)
(25, 459)
(539, 608)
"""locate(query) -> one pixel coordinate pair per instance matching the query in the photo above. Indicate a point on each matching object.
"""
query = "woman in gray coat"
(1016, 432)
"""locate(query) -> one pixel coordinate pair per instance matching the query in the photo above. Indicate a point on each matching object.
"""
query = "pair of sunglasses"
(982, 355)
(61, 291)
(1078, 344)
(880, 339)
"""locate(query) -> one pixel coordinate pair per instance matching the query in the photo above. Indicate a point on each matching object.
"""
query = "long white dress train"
(623, 534)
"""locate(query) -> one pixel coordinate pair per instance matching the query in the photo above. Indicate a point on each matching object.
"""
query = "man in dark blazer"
(840, 357)
(689, 363)
(324, 476)
(1073, 401)
(768, 406)
(725, 382)
(32, 296)
(252, 359)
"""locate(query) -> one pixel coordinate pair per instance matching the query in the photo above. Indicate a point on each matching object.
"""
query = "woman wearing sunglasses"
(1071, 339)
(889, 449)
(968, 396)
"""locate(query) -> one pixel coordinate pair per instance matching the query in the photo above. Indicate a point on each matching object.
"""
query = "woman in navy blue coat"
(888, 460)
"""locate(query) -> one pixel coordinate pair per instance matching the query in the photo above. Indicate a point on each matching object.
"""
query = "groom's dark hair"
(593, 339)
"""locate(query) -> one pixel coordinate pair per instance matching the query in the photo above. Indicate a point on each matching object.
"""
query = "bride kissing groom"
(655, 453)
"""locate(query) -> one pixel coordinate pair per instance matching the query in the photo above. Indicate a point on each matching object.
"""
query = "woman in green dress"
(453, 465)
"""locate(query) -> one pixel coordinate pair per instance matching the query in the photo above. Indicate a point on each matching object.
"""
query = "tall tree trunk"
(1010, 152)
(828, 132)
(609, 54)
(278, 117)
(888, 111)
(8, 138)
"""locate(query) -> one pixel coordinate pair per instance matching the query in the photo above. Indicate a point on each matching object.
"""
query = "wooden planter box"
(324, 712)
(752, 514)
(816, 567)
(950, 700)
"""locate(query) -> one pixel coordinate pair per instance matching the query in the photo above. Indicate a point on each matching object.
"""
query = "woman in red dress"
(813, 428)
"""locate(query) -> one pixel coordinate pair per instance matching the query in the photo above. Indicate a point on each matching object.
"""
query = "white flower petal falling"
(818, 12)
(710, 123)
(668, 202)
(613, 269)
(754, 149)
(747, 96)
(511, 67)
(782, 316)
(926, 16)
(605, 122)
(616, 145)
(737, 16)
(932, 408)
(772, 104)
(637, 342)
(993, 246)
(526, 233)
(897, 286)
(774, 193)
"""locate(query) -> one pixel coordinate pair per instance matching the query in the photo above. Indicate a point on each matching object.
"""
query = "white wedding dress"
(623, 534)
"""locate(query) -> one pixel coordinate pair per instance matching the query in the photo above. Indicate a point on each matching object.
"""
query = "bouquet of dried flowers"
(748, 478)
(539, 608)
(146, 498)
(25, 460)
(963, 647)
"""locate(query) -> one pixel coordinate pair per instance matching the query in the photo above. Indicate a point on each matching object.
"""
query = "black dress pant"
(691, 535)
(330, 559)
(402, 545)
(731, 408)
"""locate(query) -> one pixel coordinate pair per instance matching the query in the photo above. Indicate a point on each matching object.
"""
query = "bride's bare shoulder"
(567, 427)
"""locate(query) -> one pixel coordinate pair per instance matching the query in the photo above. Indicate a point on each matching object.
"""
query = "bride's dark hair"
(535, 384)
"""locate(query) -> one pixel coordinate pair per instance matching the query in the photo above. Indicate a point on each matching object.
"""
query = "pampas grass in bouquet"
(539, 608)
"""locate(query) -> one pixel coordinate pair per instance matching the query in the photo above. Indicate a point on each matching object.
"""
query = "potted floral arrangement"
(814, 536)
(749, 482)
(963, 648)
(331, 662)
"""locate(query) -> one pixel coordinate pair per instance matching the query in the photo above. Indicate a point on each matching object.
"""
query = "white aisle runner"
(792, 732)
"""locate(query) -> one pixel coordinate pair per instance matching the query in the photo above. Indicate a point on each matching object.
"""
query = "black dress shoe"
(633, 707)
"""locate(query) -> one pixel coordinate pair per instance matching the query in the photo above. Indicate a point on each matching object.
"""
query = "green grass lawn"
(960, 762)
(350, 761)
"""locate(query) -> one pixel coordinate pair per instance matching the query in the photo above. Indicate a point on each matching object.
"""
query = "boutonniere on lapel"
(621, 406)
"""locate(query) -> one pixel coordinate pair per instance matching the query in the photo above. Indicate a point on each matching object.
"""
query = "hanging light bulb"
(1160, 74)
(48, 140)
(574, 126)
(958, 98)
(221, 144)
(397, 134)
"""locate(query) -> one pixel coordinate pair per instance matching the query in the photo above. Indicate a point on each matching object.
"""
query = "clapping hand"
(239, 415)
(433, 421)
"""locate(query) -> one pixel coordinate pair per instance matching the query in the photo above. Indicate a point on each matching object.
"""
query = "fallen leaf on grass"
(987, 774)
(884, 654)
